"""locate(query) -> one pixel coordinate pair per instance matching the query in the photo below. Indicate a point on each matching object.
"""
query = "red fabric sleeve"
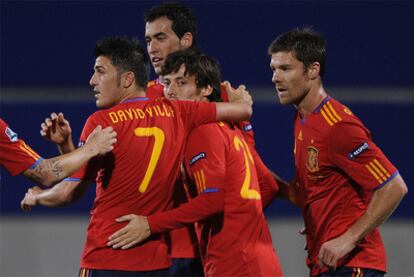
(205, 157)
(201, 207)
(15, 155)
(352, 150)
(196, 113)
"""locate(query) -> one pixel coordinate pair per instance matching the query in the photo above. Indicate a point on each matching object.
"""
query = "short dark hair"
(307, 45)
(182, 17)
(204, 68)
(126, 54)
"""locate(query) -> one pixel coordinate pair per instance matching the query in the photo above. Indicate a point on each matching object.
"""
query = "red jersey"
(183, 242)
(338, 167)
(236, 242)
(138, 176)
(15, 155)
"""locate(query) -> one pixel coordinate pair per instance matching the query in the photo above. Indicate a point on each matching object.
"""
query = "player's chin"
(101, 104)
(284, 101)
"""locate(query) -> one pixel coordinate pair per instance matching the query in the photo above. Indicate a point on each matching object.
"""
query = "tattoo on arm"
(46, 169)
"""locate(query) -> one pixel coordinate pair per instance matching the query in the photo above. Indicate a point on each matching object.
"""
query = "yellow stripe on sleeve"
(200, 180)
(373, 173)
(382, 168)
(326, 118)
(197, 181)
(335, 114)
(203, 179)
(29, 151)
(378, 171)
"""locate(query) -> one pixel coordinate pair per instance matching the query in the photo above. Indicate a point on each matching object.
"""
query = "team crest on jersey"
(11, 134)
(312, 159)
(363, 147)
(197, 157)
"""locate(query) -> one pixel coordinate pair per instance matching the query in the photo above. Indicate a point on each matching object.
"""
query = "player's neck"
(135, 93)
(311, 101)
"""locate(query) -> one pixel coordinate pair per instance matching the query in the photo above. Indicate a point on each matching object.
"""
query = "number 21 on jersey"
(245, 192)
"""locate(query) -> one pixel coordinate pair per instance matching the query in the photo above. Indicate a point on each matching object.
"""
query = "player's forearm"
(236, 111)
(199, 208)
(58, 196)
(382, 204)
(67, 146)
(71, 162)
(50, 171)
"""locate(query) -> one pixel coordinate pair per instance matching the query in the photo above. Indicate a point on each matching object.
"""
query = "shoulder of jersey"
(334, 112)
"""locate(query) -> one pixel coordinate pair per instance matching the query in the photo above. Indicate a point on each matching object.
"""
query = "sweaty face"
(161, 41)
(178, 86)
(290, 78)
(105, 83)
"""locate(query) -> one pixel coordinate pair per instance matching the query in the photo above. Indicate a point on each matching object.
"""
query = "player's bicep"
(353, 151)
(205, 163)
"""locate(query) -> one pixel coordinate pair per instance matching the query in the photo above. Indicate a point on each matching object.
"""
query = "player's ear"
(206, 91)
(314, 70)
(127, 79)
(186, 40)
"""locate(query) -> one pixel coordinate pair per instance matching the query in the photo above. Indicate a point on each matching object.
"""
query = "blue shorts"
(186, 267)
(84, 272)
(345, 271)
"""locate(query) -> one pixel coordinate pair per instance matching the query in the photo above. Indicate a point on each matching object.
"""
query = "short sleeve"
(15, 155)
(205, 158)
(351, 149)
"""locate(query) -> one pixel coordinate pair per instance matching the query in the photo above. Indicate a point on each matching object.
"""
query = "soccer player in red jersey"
(19, 158)
(139, 174)
(170, 27)
(347, 187)
(234, 238)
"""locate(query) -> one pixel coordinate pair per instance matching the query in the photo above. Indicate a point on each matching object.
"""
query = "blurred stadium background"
(46, 63)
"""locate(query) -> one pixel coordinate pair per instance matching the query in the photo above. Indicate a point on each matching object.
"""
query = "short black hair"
(204, 68)
(307, 45)
(126, 54)
(182, 17)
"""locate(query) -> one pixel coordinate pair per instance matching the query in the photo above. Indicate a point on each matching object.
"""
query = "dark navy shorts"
(345, 271)
(84, 272)
(186, 267)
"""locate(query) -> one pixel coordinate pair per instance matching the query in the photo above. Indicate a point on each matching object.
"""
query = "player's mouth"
(281, 91)
(156, 61)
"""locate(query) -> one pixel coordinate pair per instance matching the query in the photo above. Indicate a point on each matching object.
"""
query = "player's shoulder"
(334, 113)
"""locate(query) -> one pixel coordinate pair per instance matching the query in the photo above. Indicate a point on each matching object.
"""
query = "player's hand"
(333, 250)
(56, 129)
(101, 141)
(133, 233)
(30, 199)
(241, 94)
